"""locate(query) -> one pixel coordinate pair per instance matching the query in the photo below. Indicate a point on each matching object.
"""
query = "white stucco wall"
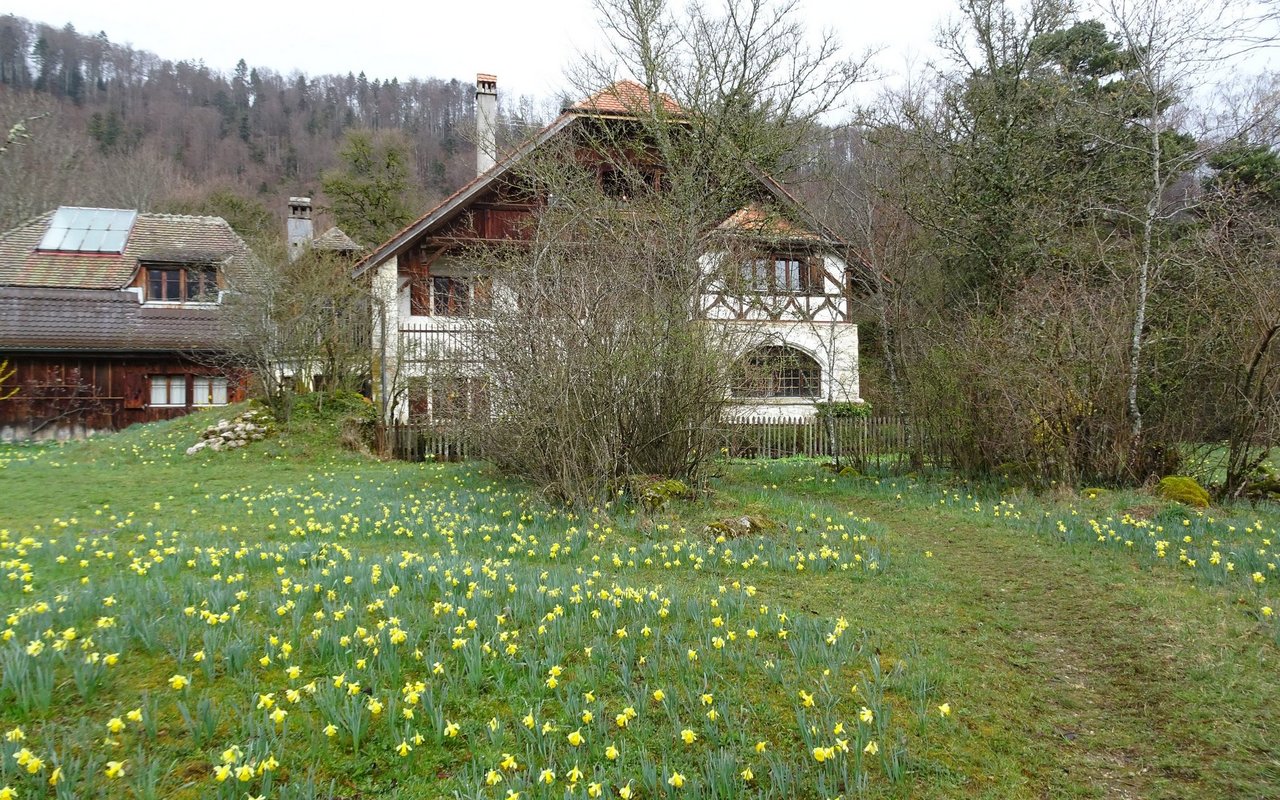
(830, 341)
(834, 345)
(386, 338)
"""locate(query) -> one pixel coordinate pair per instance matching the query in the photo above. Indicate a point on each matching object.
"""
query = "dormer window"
(171, 283)
(782, 273)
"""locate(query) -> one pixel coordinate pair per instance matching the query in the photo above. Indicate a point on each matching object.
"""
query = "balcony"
(434, 341)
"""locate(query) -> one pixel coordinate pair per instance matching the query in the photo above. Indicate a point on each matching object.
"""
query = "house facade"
(109, 317)
(789, 296)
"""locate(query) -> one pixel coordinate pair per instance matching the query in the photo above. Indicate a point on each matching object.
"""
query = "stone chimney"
(299, 227)
(486, 122)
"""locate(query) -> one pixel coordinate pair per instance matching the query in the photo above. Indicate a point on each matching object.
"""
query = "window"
(208, 391)
(781, 274)
(168, 390)
(779, 371)
(450, 297)
(458, 398)
(182, 284)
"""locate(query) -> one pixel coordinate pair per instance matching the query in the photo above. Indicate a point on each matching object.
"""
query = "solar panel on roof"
(88, 230)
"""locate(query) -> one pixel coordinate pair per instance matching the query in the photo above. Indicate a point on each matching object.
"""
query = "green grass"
(1076, 661)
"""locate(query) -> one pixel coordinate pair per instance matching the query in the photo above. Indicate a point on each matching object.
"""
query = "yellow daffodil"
(115, 769)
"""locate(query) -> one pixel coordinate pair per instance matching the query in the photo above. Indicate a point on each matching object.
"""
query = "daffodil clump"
(1238, 552)
(426, 624)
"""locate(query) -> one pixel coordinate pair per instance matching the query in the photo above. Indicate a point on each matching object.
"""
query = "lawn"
(292, 620)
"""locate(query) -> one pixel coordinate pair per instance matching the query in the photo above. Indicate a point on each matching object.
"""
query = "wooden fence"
(423, 442)
(859, 439)
(887, 440)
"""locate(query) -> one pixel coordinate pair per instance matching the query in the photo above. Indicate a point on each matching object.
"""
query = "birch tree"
(1178, 51)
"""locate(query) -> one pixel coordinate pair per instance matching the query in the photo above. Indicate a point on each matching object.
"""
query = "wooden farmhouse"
(110, 317)
(792, 296)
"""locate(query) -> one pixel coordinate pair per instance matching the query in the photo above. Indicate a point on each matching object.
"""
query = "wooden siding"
(61, 395)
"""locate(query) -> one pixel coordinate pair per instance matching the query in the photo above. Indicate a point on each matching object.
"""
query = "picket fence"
(884, 440)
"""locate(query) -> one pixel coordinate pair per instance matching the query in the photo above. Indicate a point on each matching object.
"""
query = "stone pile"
(251, 426)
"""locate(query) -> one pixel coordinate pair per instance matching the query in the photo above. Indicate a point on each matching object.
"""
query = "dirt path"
(1062, 630)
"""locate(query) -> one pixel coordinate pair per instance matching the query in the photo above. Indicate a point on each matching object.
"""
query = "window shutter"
(419, 272)
(483, 293)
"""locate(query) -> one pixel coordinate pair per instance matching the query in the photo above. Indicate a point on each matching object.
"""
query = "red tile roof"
(625, 97)
(755, 219)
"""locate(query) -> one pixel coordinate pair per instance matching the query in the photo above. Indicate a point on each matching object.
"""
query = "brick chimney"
(300, 229)
(486, 122)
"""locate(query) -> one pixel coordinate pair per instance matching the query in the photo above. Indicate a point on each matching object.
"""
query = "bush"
(333, 405)
(844, 410)
(1183, 490)
(653, 493)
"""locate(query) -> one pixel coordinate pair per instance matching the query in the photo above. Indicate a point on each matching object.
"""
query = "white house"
(791, 298)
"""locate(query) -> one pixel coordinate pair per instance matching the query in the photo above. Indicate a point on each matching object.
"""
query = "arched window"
(779, 371)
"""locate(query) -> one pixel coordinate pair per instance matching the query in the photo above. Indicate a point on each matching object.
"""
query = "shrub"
(1183, 490)
(654, 493)
(844, 410)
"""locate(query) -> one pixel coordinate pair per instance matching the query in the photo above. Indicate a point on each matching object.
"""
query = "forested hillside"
(115, 126)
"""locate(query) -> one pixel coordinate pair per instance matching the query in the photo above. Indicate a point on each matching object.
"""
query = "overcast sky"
(527, 43)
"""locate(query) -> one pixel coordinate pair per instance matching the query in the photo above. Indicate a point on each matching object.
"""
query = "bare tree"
(299, 324)
(1176, 50)
(7, 373)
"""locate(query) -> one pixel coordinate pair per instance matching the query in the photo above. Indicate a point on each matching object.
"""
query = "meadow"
(293, 620)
